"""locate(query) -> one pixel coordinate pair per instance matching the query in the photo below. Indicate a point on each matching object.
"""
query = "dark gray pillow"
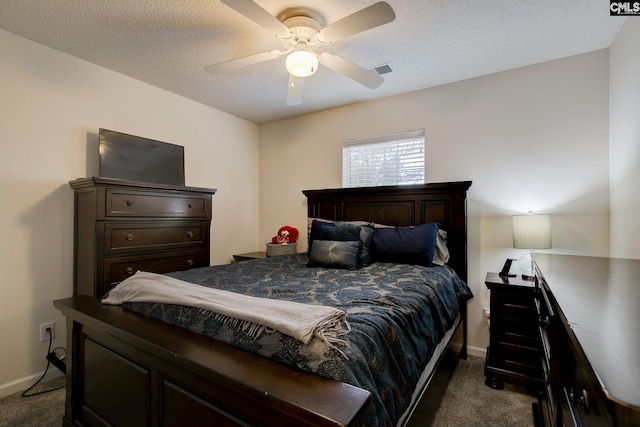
(339, 232)
(344, 231)
(334, 254)
(366, 240)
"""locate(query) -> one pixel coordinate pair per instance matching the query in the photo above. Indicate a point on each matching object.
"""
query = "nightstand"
(249, 255)
(513, 354)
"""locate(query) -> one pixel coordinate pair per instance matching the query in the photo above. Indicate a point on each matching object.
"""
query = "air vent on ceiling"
(383, 69)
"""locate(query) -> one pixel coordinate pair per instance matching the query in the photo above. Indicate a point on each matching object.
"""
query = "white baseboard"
(22, 384)
(477, 351)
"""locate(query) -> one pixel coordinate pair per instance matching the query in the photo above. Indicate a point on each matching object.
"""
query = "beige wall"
(51, 106)
(624, 138)
(534, 138)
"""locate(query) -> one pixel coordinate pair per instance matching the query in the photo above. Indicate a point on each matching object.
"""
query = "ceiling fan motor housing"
(303, 30)
(302, 61)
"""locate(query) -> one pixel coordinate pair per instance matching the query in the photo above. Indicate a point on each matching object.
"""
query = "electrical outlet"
(486, 314)
(44, 335)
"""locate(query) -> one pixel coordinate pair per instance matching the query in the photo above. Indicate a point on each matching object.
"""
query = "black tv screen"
(135, 158)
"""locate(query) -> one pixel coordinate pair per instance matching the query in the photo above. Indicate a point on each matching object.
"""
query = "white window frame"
(380, 161)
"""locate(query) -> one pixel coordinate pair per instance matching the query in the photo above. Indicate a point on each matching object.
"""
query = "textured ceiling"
(168, 43)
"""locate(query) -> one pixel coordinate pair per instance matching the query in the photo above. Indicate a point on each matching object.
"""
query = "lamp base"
(526, 266)
(527, 278)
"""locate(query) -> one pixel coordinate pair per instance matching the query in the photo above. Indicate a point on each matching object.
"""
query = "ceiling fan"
(301, 35)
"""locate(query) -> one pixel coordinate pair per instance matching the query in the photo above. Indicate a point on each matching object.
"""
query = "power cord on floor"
(48, 357)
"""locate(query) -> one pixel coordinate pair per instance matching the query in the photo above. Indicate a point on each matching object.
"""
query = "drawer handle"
(545, 321)
(189, 234)
(191, 205)
(129, 237)
(131, 202)
(582, 400)
(129, 271)
(189, 262)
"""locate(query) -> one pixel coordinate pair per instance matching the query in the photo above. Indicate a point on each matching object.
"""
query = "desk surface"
(600, 299)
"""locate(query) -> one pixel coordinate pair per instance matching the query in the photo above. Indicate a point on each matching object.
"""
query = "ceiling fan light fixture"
(301, 63)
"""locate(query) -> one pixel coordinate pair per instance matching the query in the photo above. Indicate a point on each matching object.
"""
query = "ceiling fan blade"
(370, 17)
(294, 90)
(242, 62)
(369, 78)
(257, 14)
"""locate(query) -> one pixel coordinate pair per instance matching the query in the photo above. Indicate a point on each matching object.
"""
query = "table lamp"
(531, 232)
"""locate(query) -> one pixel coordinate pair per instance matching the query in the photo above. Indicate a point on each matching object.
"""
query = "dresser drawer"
(128, 237)
(148, 204)
(547, 399)
(525, 360)
(522, 336)
(520, 303)
(115, 270)
(515, 322)
(546, 319)
(575, 412)
(583, 403)
(525, 321)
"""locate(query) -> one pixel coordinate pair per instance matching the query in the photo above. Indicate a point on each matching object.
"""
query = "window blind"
(394, 159)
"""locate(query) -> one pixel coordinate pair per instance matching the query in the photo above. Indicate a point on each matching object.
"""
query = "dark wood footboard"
(126, 369)
(129, 369)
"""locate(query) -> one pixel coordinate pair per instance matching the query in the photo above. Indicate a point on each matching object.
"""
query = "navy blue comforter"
(398, 313)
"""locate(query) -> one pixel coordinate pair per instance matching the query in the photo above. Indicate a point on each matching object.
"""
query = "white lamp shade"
(301, 63)
(532, 231)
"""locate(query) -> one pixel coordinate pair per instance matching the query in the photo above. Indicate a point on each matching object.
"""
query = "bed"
(128, 366)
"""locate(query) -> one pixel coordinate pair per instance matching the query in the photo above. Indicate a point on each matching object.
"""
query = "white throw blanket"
(301, 321)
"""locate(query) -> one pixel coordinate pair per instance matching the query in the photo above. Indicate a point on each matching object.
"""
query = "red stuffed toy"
(285, 235)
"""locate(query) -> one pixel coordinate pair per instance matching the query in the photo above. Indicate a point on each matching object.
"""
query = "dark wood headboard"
(402, 205)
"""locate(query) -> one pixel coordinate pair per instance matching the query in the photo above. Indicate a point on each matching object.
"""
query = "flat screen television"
(135, 158)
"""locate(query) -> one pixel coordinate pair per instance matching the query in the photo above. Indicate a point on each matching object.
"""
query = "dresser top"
(600, 300)
(114, 182)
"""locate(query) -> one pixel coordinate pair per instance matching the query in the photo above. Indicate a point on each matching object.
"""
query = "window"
(384, 160)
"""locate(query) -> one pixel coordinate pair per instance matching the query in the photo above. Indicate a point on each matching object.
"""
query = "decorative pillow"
(406, 245)
(334, 246)
(310, 222)
(334, 254)
(339, 232)
(366, 235)
(314, 230)
(441, 255)
(366, 241)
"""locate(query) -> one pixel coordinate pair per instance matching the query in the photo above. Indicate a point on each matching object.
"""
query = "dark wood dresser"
(589, 310)
(124, 226)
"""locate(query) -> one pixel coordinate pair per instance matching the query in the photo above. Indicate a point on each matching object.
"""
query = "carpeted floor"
(467, 402)
(43, 410)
